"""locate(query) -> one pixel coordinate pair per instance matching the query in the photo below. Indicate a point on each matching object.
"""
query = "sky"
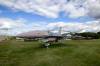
(18, 16)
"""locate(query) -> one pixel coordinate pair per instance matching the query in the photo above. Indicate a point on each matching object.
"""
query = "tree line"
(93, 35)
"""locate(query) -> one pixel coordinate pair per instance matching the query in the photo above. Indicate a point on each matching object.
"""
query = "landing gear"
(47, 45)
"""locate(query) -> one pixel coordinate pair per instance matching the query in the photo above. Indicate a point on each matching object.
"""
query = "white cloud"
(10, 25)
(52, 8)
(93, 7)
(73, 10)
(91, 26)
(49, 8)
(20, 25)
(41, 7)
(13, 27)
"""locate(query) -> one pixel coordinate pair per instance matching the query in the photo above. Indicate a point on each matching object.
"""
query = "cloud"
(41, 7)
(48, 8)
(74, 10)
(11, 26)
(91, 26)
(93, 7)
(14, 27)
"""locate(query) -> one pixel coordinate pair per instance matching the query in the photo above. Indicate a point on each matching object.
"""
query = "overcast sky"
(72, 15)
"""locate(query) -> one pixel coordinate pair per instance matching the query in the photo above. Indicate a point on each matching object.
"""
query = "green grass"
(70, 53)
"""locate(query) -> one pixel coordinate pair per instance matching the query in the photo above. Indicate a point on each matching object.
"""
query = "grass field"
(70, 53)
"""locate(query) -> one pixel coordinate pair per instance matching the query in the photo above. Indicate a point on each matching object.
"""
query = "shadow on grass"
(54, 45)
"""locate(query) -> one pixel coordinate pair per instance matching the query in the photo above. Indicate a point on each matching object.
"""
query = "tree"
(89, 34)
(98, 34)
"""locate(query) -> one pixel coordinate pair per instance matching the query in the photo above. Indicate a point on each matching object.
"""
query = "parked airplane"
(47, 37)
